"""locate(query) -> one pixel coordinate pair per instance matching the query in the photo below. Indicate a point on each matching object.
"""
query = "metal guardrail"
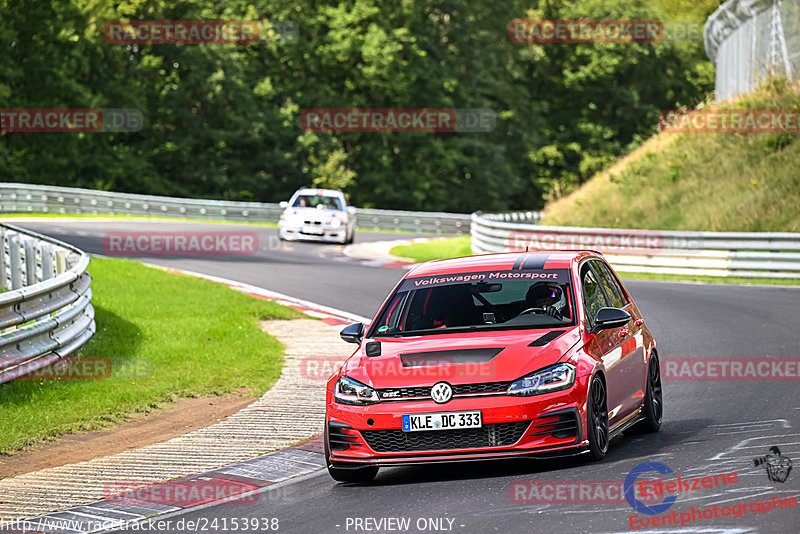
(30, 198)
(749, 39)
(45, 310)
(414, 221)
(746, 254)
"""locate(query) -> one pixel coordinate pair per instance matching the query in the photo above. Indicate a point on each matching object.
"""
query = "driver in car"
(542, 296)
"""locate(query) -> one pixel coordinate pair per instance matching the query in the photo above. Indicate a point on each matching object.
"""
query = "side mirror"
(353, 333)
(351, 210)
(610, 318)
(283, 204)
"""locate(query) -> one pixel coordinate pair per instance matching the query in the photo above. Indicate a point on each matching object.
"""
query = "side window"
(392, 315)
(610, 284)
(593, 298)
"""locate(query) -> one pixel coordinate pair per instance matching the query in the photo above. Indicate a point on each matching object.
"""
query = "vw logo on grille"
(441, 392)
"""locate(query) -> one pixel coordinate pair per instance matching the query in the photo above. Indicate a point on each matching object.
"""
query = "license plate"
(313, 230)
(441, 421)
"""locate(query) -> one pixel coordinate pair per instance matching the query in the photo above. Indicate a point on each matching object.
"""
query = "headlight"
(335, 223)
(557, 377)
(348, 391)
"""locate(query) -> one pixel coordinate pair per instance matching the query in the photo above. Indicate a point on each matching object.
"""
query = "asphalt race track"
(710, 427)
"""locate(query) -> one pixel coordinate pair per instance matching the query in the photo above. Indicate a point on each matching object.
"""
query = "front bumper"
(328, 233)
(547, 425)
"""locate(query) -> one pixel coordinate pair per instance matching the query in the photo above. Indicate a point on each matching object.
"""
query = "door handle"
(638, 322)
(623, 333)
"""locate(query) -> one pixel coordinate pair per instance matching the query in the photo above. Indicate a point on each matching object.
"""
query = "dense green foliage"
(222, 120)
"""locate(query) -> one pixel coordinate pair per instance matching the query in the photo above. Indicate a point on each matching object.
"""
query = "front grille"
(486, 387)
(312, 222)
(494, 435)
(458, 389)
(399, 393)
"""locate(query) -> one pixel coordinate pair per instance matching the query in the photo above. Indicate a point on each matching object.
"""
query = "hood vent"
(547, 338)
(449, 357)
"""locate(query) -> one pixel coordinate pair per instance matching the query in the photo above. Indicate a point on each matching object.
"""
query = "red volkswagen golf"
(519, 354)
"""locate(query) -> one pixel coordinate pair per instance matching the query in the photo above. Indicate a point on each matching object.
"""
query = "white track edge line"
(245, 287)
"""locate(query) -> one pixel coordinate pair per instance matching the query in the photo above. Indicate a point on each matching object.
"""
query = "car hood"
(458, 358)
(314, 214)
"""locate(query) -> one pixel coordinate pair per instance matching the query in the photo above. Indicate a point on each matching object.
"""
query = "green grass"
(439, 249)
(167, 336)
(740, 280)
(717, 182)
(383, 230)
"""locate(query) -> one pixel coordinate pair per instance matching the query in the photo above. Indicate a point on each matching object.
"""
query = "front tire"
(597, 419)
(361, 475)
(348, 238)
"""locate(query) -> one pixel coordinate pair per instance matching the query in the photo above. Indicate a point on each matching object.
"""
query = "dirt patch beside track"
(174, 420)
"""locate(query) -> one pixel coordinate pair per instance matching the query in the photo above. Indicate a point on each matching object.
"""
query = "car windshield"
(478, 301)
(318, 201)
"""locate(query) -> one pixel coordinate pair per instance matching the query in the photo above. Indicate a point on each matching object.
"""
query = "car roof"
(539, 259)
(321, 192)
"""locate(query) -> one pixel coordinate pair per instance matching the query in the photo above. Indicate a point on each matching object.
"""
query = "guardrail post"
(47, 261)
(15, 261)
(61, 261)
(3, 263)
(30, 262)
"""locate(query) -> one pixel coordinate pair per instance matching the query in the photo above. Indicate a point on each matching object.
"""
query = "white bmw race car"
(319, 215)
